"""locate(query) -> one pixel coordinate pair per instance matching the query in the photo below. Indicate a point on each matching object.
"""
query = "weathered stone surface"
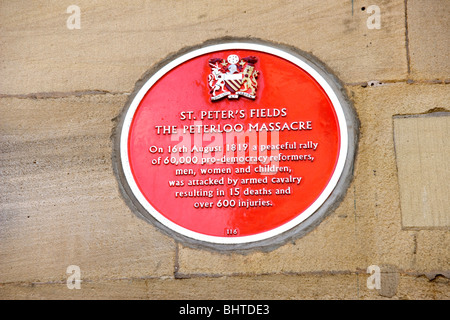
(283, 287)
(59, 200)
(118, 42)
(222, 288)
(429, 39)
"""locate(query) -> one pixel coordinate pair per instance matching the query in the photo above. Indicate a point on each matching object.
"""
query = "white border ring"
(346, 119)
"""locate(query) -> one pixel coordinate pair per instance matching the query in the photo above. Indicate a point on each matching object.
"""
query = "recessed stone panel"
(422, 151)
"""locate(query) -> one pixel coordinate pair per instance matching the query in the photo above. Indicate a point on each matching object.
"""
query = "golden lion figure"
(249, 79)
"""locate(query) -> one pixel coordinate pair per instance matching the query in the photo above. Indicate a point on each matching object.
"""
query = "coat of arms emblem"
(233, 77)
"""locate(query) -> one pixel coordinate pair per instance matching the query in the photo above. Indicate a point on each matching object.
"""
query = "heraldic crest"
(233, 77)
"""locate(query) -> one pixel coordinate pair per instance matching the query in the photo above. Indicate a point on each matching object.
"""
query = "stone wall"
(62, 88)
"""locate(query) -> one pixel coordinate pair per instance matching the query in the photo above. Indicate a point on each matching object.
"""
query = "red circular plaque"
(233, 143)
